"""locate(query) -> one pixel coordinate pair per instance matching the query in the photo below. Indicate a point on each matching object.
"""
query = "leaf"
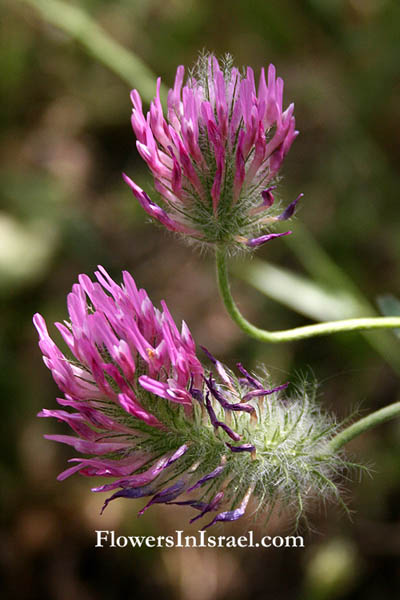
(298, 293)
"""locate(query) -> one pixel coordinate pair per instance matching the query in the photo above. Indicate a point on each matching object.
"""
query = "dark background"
(64, 209)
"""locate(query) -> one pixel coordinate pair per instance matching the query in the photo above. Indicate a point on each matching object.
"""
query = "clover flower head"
(216, 155)
(151, 419)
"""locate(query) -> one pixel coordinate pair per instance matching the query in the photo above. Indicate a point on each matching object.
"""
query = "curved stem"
(297, 333)
(372, 420)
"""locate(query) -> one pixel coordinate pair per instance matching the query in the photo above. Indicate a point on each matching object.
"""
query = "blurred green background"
(66, 138)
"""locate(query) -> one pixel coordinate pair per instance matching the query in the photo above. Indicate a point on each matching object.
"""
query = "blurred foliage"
(66, 138)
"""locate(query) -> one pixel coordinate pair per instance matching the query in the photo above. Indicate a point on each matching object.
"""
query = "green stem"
(372, 420)
(80, 26)
(297, 333)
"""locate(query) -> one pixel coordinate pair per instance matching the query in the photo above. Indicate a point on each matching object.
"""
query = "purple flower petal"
(75, 420)
(176, 455)
(133, 408)
(104, 467)
(197, 504)
(265, 238)
(213, 505)
(196, 394)
(154, 210)
(128, 493)
(216, 473)
(147, 476)
(252, 380)
(214, 421)
(268, 197)
(136, 480)
(242, 448)
(164, 390)
(88, 447)
(224, 403)
(166, 495)
(232, 515)
(288, 212)
(256, 393)
(219, 367)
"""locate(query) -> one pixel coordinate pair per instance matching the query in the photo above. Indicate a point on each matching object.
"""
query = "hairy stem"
(372, 420)
(319, 329)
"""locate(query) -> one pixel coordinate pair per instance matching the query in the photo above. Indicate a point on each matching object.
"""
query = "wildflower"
(149, 417)
(216, 156)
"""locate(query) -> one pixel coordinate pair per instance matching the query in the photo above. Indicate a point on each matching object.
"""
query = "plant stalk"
(297, 333)
(357, 428)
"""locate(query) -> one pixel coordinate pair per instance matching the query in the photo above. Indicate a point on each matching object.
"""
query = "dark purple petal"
(214, 421)
(265, 238)
(213, 505)
(224, 403)
(242, 448)
(229, 515)
(288, 212)
(197, 504)
(167, 495)
(207, 477)
(196, 394)
(252, 380)
(219, 367)
(233, 515)
(129, 493)
(209, 355)
(256, 393)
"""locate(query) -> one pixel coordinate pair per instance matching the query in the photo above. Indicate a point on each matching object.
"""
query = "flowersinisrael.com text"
(109, 539)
